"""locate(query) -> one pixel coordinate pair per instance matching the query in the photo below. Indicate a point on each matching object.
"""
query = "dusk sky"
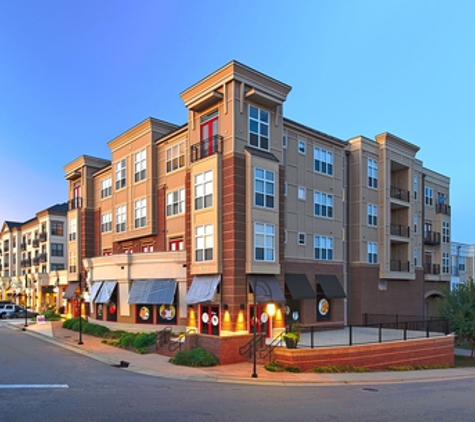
(74, 75)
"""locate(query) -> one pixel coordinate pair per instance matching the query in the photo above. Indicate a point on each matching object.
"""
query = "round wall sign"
(323, 307)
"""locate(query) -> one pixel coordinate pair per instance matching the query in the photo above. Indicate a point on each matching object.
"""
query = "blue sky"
(74, 75)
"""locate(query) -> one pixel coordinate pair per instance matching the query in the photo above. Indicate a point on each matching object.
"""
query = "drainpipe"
(347, 236)
(423, 255)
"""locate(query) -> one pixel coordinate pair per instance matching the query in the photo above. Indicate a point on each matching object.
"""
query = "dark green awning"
(266, 288)
(330, 286)
(299, 286)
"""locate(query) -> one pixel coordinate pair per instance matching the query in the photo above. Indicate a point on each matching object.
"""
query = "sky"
(74, 75)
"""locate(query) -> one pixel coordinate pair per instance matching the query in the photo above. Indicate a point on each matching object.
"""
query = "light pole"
(26, 303)
(80, 310)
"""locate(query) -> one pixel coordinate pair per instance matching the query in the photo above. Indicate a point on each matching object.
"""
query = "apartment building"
(33, 259)
(462, 261)
(242, 219)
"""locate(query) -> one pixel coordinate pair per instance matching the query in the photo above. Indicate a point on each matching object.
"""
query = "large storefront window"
(210, 323)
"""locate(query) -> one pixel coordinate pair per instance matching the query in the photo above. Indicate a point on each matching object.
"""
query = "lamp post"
(26, 303)
(80, 310)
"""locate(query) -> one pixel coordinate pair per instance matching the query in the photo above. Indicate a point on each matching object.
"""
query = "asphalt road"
(42, 382)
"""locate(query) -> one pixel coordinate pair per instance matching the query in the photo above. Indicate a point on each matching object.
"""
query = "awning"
(48, 289)
(299, 286)
(202, 289)
(106, 291)
(70, 290)
(267, 288)
(330, 286)
(94, 290)
(153, 292)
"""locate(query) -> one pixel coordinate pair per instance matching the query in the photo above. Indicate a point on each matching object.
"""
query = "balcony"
(398, 193)
(6, 249)
(432, 238)
(433, 269)
(205, 148)
(401, 266)
(36, 242)
(36, 260)
(25, 262)
(75, 203)
(23, 246)
(441, 208)
(43, 236)
(399, 230)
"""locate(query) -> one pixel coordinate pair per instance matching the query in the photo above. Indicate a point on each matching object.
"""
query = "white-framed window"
(120, 174)
(204, 243)
(445, 232)
(204, 190)
(106, 187)
(285, 188)
(106, 222)
(323, 204)
(140, 165)
(372, 173)
(140, 213)
(372, 253)
(302, 147)
(147, 247)
(302, 238)
(302, 193)
(323, 248)
(73, 261)
(323, 161)
(372, 215)
(120, 218)
(416, 257)
(429, 196)
(72, 229)
(264, 242)
(416, 186)
(176, 202)
(416, 223)
(175, 157)
(258, 128)
(264, 188)
(461, 264)
(285, 141)
(445, 263)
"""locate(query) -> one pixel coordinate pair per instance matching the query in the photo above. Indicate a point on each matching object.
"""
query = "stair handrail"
(177, 344)
(248, 347)
(276, 341)
(162, 337)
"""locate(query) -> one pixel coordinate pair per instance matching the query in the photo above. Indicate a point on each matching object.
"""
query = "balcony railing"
(43, 236)
(432, 238)
(5, 249)
(36, 243)
(75, 203)
(441, 208)
(25, 262)
(433, 269)
(23, 246)
(399, 230)
(43, 257)
(36, 260)
(205, 148)
(398, 265)
(398, 193)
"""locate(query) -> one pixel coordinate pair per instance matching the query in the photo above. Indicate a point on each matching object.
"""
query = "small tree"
(458, 306)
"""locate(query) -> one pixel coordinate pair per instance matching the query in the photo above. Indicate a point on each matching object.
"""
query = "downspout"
(347, 236)
(423, 254)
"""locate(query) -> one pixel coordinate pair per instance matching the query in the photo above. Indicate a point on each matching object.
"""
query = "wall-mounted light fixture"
(225, 307)
(242, 306)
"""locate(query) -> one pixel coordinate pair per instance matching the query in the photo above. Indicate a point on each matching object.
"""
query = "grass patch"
(417, 367)
(277, 367)
(336, 369)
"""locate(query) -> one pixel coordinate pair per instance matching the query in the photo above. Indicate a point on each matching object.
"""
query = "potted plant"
(291, 339)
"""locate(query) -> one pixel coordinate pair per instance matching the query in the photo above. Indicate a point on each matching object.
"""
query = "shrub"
(194, 357)
(277, 367)
(127, 340)
(99, 330)
(144, 340)
(329, 369)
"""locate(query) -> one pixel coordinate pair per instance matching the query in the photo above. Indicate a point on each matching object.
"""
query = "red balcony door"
(209, 128)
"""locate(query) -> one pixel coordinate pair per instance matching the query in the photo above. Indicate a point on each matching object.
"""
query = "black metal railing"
(433, 269)
(248, 348)
(441, 208)
(178, 343)
(163, 336)
(43, 257)
(269, 348)
(431, 237)
(398, 265)
(205, 148)
(36, 242)
(75, 203)
(400, 230)
(398, 193)
(43, 236)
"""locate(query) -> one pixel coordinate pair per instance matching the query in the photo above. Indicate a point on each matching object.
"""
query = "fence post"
(427, 328)
(312, 345)
(405, 330)
(380, 333)
(351, 335)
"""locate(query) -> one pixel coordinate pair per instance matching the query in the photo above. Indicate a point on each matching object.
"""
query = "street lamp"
(80, 310)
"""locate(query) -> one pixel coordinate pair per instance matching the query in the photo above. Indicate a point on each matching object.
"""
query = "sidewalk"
(158, 365)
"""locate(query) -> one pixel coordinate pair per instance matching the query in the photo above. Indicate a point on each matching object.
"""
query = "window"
(140, 213)
(264, 242)
(175, 157)
(106, 252)
(323, 204)
(176, 202)
(461, 264)
(416, 186)
(416, 223)
(429, 196)
(57, 249)
(258, 128)
(416, 257)
(176, 245)
(323, 161)
(204, 190)
(127, 249)
(204, 243)
(445, 232)
(140, 165)
(106, 187)
(120, 174)
(302, 147)
(57, 267)
(302, 238)
(372, 253)
(73, 262)
(264, 188)
(56, 229)
(120, 218)
(285, 188)
(445, 263)
(147, 248)
(285, 141)
(72, 229)
(372, 215)
(372, 173)
(106, 222)
(323, 248)
(302, 193)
